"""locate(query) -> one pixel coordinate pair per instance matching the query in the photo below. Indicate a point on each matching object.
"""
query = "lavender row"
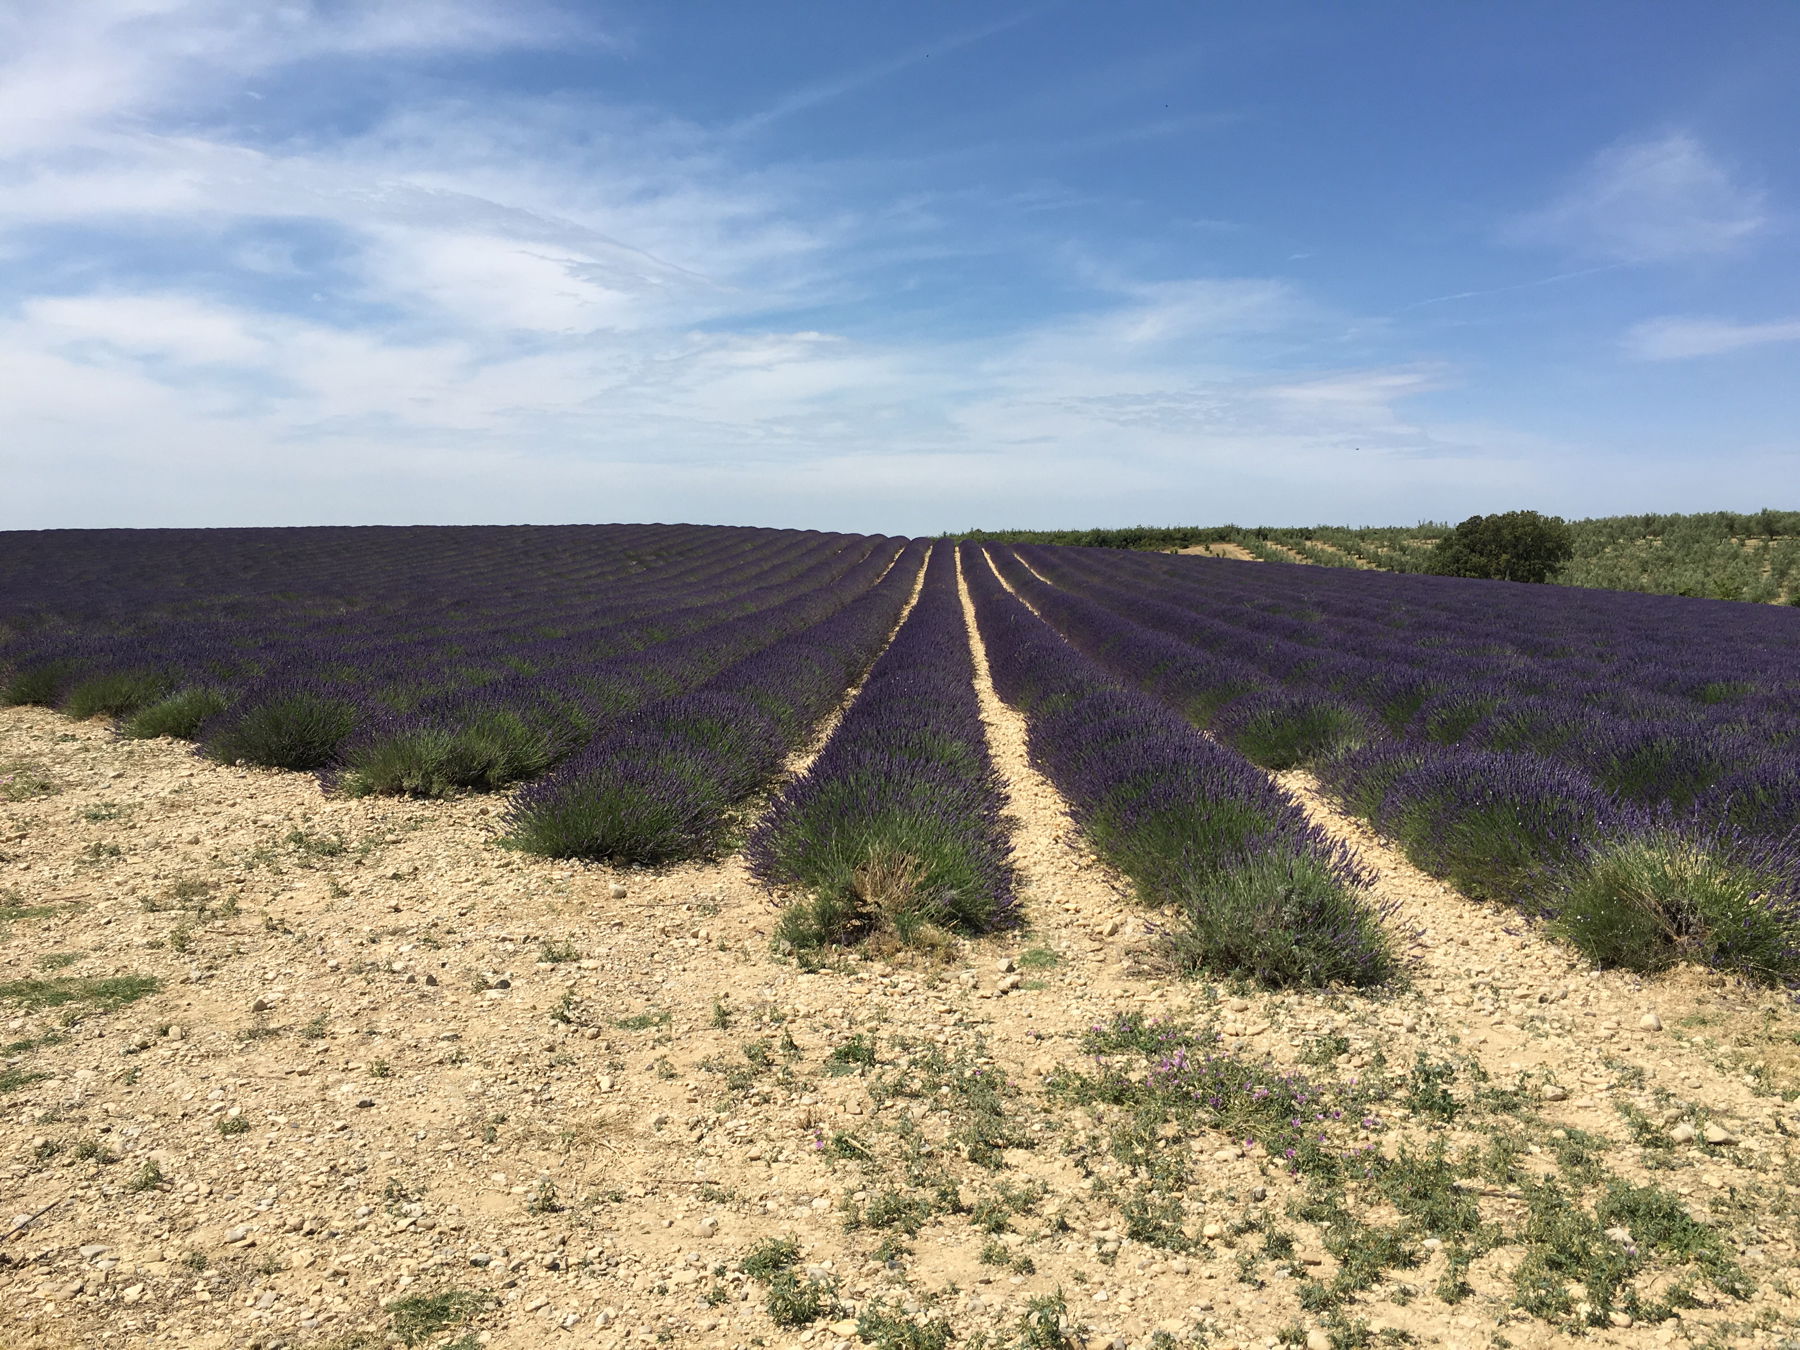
(896, 827)
(1633, 872)
(1260, 889)
(669, 780)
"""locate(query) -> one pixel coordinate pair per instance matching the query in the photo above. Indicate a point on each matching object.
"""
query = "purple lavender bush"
(1687, 892)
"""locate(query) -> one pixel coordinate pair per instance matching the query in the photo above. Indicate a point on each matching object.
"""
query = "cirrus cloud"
(1653, 200)
(1678, 339)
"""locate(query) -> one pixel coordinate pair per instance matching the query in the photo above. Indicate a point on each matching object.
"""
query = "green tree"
(1511, 546)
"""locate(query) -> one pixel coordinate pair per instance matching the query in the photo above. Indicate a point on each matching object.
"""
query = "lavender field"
(1622, 767)
(708, 936)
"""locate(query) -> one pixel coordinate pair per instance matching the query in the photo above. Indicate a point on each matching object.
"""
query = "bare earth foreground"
(397, 1085)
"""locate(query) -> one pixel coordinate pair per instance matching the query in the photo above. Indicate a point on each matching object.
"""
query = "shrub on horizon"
(1511, 546)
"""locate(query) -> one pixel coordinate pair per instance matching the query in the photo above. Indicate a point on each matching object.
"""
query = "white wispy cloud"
(1676, 338)
(1653, 200)
(820, 92)
(68, 67)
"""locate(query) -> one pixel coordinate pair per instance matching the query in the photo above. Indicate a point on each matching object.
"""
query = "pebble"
(1684, 1133)
(1554, 1092)
(1650, 1022)
(1718, 1134)
(1317, 1340)
(707, 1227)
(617, 890)
(1619, 1319)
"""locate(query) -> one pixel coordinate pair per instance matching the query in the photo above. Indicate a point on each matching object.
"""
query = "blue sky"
(904, 267)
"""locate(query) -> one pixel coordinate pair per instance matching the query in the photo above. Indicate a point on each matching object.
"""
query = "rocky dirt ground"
(290, 1071)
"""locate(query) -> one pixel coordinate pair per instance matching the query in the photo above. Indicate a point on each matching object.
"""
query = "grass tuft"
(103, 993)
(415, 1320)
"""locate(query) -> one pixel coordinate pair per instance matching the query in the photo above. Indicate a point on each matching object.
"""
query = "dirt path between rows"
(396, 1081)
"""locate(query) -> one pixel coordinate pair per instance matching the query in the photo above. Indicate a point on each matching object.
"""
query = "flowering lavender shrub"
(116, 693)
(1497, 825)
(180, 715)
(896, 827)
(1648, 901)
(1292, 730)
(1191, 823)
(289, 726)
(1762, 800)
(1658, 698)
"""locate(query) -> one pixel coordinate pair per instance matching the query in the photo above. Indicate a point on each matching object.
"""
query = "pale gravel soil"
(350, 1190)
